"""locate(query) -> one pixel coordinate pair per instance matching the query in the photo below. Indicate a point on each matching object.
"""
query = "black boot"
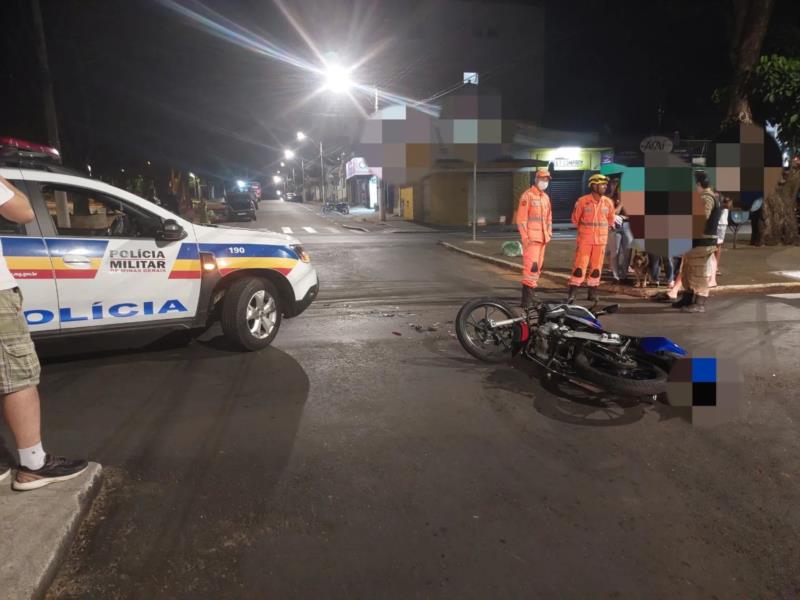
(592, 296)
(698, 306)
(529, 296)
(572, 290)
(684, 300)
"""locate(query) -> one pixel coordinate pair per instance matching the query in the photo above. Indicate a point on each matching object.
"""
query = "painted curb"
(42, 556)
(507, 264)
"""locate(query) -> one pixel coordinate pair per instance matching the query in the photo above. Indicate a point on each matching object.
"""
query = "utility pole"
(47, 85)
(376, 99)
(384, 191)
(322, 169)
(475, 198)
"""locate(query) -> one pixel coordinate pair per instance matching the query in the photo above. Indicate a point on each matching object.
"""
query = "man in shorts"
(19, 372)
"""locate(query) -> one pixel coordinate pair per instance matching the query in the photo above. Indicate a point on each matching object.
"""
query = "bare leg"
(23, 415)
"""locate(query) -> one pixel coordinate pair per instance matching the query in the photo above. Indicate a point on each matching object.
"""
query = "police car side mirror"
(171, 231)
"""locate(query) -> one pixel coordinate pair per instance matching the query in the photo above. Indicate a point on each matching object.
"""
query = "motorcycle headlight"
(302, 254)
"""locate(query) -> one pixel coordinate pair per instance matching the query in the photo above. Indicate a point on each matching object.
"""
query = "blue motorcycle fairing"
(655, 345)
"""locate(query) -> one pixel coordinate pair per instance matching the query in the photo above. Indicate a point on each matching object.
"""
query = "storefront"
(570, 168)
(363, 184)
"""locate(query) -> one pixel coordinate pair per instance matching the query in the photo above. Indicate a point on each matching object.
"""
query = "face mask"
(542, 185)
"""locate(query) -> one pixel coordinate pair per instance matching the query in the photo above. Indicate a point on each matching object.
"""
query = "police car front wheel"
(251, 313)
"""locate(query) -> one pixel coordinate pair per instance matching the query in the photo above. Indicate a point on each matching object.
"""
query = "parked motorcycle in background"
(568, 342)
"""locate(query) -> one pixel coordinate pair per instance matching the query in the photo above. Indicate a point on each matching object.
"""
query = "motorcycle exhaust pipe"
(493, 324)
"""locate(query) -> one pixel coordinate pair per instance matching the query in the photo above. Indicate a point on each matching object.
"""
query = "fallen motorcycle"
(568, 342)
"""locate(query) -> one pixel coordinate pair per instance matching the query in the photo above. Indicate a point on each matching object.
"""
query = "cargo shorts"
(19, 364)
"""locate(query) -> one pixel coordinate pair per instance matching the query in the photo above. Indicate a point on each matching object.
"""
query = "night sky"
(136, 81)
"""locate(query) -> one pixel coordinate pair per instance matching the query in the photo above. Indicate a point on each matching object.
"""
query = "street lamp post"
(322, 167)
(302, 137)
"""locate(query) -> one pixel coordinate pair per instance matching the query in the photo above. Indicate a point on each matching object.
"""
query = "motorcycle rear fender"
(521, 333)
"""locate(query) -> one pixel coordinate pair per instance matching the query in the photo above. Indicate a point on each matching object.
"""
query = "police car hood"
(242, 235)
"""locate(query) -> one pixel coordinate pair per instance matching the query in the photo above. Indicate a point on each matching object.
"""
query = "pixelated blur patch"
(710, 386)
(704, 370)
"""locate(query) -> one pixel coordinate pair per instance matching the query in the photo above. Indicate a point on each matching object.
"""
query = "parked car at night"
(241, 206)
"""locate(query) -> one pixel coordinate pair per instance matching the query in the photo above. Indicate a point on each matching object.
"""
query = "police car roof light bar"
(15, 149)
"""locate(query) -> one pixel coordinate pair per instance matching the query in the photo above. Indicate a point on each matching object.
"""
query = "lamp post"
(302, 137)
(290, 155)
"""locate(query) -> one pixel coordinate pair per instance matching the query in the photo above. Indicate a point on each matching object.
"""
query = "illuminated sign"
(568, 163)
(656, 143)
(358, 166)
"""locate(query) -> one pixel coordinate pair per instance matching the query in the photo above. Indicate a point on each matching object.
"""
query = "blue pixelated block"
(704, 370)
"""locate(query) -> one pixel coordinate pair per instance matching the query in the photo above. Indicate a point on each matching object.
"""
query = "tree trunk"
(750, 27)
(779, 217)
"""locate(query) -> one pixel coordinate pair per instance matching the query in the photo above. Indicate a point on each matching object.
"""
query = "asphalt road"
(361, 458)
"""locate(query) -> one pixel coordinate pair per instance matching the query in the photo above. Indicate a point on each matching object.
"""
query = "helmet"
(543, 174)
(597, 179)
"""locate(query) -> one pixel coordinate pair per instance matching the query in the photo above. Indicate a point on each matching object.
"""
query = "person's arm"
(14, 205)
(708, 204)
(576, 212)
(549, 219)
(612, 215)
(522, 218)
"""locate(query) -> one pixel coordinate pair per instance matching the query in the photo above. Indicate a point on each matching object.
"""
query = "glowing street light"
(300, 136)
(288, 154)
(283, 164)
(337, 79)
(276, 179)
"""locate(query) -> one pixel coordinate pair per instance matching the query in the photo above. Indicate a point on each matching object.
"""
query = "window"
(9, 227)
(86, 213)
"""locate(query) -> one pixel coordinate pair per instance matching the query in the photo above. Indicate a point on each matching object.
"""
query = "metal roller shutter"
(495, 197)
(564, 190)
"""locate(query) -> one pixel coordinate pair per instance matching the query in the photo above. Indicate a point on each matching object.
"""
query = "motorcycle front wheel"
(475, 334)
(626, 376)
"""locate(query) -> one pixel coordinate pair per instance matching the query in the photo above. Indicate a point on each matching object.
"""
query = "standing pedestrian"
(655, 269)
(697, 263)
(722, 229)
(19, 371)
(620, 239)
(534, 220)
(594, 216)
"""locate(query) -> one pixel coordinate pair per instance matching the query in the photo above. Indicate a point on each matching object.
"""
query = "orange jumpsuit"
(593, 215)
(535, 223)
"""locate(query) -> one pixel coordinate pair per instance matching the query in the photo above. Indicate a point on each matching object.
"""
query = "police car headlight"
(302, 254)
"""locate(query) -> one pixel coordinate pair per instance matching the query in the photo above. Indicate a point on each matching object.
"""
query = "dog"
(640, 263)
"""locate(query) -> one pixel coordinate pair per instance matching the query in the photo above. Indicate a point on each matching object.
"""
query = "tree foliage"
(777, 96)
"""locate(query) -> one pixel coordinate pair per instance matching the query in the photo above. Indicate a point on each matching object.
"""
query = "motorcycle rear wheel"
(643, 379)
(472, 329)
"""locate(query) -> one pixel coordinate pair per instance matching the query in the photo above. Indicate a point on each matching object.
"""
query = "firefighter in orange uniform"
(535, 224)
(594, 216)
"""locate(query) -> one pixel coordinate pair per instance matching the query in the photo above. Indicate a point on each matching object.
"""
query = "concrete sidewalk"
(369, 220)
(744, 269)
(37, 529)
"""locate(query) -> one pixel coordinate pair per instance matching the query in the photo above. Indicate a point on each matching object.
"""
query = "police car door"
(111, 270)
(26, 255)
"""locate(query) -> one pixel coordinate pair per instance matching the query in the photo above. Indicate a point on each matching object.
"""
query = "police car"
(98, 258)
